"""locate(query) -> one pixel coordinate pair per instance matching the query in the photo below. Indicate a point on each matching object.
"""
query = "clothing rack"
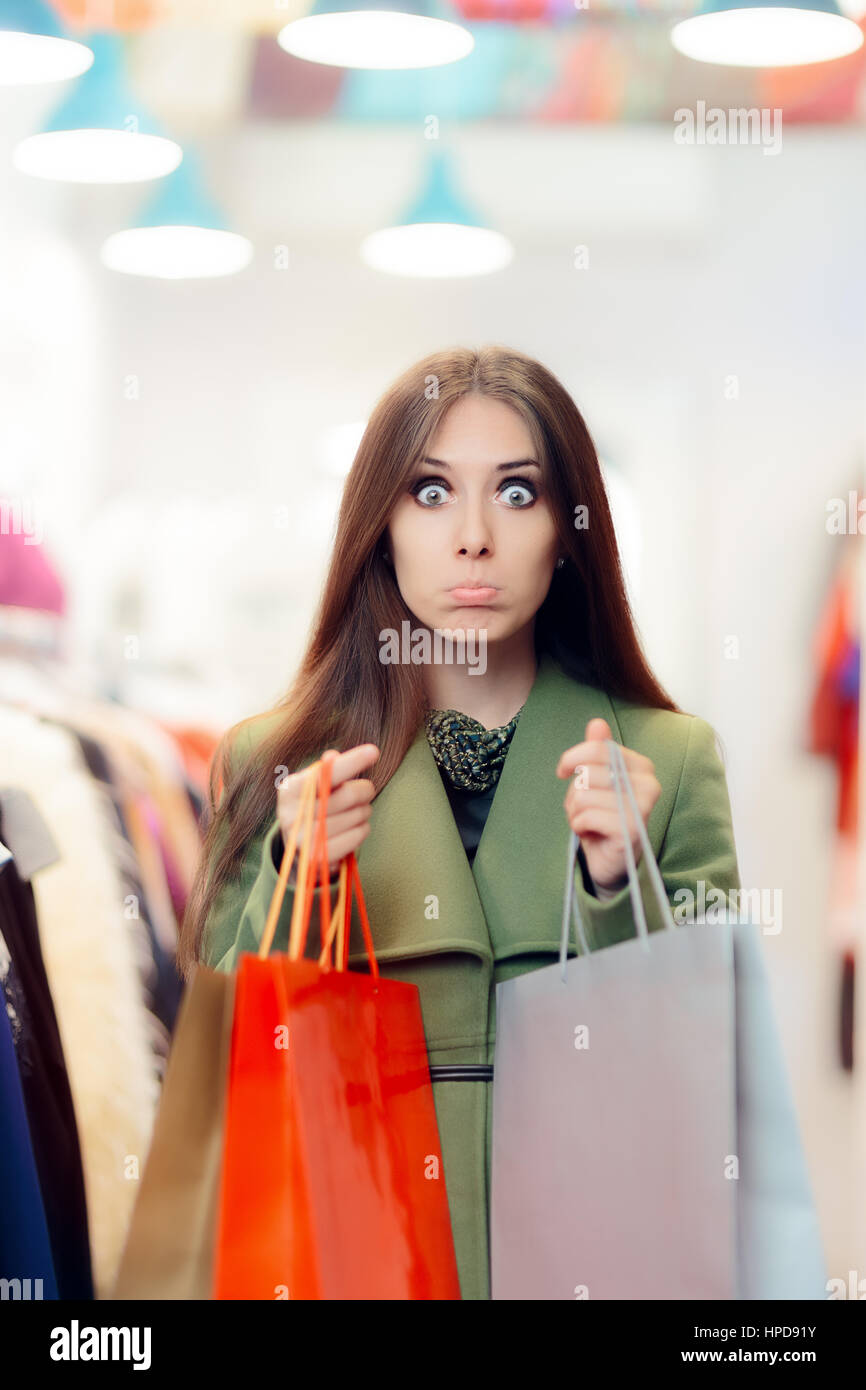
(100, 829)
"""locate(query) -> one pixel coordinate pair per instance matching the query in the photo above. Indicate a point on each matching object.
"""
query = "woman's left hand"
(591, 808)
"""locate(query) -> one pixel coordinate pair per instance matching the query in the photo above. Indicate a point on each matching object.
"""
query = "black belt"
(469, 1071)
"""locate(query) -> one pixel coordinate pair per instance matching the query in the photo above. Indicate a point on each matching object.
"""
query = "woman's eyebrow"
(500, 467)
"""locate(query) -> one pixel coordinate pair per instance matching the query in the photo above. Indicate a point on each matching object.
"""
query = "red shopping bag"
(332, 1181)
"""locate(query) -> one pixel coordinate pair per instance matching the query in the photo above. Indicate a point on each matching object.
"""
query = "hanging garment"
(89, 955)
(197, 747)
(161, 764)
(833, 730)
(162, 983)
(834, 710)
(150, 786)
(25, 1249)
(44, 1084)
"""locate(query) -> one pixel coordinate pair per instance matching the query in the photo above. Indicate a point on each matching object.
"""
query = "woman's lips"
(470, 598)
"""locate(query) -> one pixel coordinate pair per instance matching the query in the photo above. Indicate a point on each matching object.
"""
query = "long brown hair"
(343, 693)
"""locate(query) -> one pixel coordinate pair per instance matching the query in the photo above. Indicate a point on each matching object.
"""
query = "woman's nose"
(473, 530)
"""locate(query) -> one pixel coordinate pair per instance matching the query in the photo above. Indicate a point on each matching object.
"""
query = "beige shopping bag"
(170, 1244)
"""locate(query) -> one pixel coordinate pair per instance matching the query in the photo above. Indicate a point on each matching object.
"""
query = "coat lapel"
(422, 895)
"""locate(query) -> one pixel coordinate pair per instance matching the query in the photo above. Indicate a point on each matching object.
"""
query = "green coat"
(455, 929)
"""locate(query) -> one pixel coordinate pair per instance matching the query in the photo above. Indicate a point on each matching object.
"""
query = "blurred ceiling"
(204, 63)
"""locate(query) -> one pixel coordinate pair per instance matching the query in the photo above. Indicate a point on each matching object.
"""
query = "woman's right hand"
(348, 820)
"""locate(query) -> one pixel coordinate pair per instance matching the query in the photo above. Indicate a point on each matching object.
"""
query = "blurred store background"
(173, 443)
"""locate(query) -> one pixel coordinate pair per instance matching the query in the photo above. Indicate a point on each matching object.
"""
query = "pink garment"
(27, 577)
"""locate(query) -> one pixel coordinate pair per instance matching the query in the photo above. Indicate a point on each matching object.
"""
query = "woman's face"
(475, 511)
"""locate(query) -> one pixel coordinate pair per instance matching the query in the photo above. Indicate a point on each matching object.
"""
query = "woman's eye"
(514, 487)
(426, 486)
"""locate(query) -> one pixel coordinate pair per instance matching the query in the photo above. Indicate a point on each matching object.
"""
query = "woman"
(475, 469)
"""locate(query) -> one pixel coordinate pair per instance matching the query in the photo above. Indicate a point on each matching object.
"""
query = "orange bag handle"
(316, 862)
(286, 865)
(319, 772)
(341, 920)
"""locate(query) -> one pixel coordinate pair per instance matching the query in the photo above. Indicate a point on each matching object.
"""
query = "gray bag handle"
(620, 779)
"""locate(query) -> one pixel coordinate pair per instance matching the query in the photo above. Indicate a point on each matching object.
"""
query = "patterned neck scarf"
(470, 755)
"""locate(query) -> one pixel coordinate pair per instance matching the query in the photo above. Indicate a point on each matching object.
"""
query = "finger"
(598, 728)
(359, 792)
(597, 753)
(348, 765)
(580, 798)
(346, 842)
(593, 777)
(345, 766)
(599, 821)
(346, 820)
(339, 831)
(581, 753)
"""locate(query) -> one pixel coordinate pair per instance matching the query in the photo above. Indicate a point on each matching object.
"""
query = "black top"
(471, 810)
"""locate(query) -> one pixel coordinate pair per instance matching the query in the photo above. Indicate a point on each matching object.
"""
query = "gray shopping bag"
(645, 1144)
(779, 1248)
